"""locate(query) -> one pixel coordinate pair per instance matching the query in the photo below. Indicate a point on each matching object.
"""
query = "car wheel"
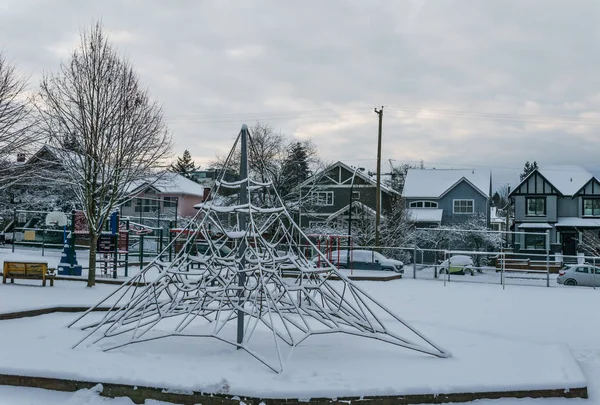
(397, 270)
(570, 282)
(441, 271)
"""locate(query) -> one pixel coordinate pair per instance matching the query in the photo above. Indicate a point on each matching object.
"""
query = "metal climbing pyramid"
(241, 277)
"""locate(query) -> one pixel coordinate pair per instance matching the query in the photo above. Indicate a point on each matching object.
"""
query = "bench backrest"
(24, 268)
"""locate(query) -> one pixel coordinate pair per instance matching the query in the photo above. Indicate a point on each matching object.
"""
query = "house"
(553, 206)
(170, 194)
(437, 197)
(498, 220)
(207, 178)
(327, 196)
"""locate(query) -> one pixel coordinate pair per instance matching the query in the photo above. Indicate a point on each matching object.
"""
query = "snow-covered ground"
(469, 319)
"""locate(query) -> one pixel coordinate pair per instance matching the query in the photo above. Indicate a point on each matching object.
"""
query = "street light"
(350, 212)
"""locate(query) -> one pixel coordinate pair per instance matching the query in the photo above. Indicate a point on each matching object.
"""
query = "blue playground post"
(68, 265)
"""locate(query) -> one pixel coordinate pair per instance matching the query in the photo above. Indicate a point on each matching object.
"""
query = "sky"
(464, 83)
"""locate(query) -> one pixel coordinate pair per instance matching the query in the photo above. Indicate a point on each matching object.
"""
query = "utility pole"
(378, 189)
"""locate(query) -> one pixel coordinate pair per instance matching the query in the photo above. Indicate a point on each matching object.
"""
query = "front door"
(569, 243)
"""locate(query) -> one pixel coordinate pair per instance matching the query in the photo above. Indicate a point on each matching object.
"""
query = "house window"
(591, 207)
(464, 207)
(423, 204)
(496, 227)
(536, 207)
(146, 205)
(169, 202)
(356, 195)
(127, 203)
(535, 241)
(322, 197)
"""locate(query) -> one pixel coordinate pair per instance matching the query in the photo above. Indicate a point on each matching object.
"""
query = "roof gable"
(434, 183)
(340, 174)
(592, 187)
(535, 183)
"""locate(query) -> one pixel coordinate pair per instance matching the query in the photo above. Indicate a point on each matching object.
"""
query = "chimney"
(21, 157)
(206, 193)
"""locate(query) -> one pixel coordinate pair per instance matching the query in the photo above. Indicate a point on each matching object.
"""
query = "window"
(322, 197)
(169, 202)
(584, 270)
(146, 205)
(536, 207)
(423, 204)
(591, 207)
(356, 195)
(464, 206)
(535, 241)
(127, 203)
(496, 227)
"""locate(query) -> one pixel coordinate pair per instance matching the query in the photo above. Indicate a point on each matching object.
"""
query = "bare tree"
(104, 128)
(16, 135)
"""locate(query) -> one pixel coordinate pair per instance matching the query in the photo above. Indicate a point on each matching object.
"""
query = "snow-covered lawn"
(498, 337)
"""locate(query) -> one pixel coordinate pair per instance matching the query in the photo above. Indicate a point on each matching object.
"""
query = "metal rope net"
(252, 278)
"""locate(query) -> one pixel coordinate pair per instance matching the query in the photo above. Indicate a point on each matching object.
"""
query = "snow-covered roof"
(568, 179)
(578, 222)
(172, 183)
(433, 183)
(425, 214)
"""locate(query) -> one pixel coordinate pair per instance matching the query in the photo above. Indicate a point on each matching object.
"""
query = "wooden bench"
(27, 270)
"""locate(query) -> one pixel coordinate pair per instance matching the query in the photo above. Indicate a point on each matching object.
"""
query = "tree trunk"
(92, 262)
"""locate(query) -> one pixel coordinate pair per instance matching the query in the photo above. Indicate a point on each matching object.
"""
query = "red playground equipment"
(329, 245)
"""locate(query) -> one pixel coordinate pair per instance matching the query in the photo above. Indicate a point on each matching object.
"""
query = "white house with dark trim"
(444, 196)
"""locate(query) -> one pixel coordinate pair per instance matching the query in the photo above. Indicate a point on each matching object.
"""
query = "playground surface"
(518, 338)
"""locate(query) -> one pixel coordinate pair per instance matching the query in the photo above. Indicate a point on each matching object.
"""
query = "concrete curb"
(138, 394)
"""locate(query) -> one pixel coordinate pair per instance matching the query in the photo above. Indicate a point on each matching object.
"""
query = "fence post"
(141, 251)
(502, 281)
(594, 272)
(43, 241)
(547, 268)
(14, 236)
(447, 270)
(415, 262)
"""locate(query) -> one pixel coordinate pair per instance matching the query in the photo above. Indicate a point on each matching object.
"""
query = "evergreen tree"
(295, 168)
(528, 168)
(184, 165)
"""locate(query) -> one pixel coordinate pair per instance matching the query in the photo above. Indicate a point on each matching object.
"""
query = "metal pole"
(243, 197)
(547, 258)
(415, 262)
(594, 272)
(14, 229)
(127, 248)
(350, 218)
(141, 251)
(43, 241)
(503, 267)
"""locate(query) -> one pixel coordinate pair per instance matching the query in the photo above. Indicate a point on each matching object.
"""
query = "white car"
(579, 274)
(363, 260)
(458, 264)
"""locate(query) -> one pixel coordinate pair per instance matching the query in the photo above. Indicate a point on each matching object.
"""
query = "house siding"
(569, 207)
(551, 209)
(463, 191)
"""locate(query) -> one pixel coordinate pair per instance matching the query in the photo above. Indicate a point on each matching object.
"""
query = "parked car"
(579, 274)
(363, 260)
(458, 264)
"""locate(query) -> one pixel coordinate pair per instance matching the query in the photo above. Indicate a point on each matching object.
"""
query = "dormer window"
(423, 204)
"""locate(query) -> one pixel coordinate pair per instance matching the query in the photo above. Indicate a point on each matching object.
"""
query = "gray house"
(329, 195)
(437, 197)
(553, 206)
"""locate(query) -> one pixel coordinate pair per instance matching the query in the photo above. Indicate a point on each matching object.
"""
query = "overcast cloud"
(316, 69)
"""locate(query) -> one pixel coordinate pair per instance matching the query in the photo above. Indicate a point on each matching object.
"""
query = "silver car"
(579, 274)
